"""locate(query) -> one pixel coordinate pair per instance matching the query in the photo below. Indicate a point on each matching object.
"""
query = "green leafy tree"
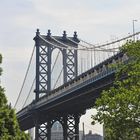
(9, 127)
(119, 107)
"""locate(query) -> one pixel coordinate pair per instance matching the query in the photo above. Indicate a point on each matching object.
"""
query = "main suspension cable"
(35, 79)
(29, 93)
(67, 47)
(113, 42)
(25, 77)
(58, 78)
(86, 48)
(69, 40)
(55, 61)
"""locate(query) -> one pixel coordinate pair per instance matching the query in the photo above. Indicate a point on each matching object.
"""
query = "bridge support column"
(70, 59)
(71, 127)
(43, 82)
(43, 131)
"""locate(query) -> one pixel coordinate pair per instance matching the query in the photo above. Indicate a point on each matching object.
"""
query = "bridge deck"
(75, 95)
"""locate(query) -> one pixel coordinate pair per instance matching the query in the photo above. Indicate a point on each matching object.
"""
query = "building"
(57, 132)
(91, 136)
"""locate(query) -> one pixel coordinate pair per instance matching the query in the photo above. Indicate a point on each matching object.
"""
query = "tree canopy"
(9, 127)
(119, 107)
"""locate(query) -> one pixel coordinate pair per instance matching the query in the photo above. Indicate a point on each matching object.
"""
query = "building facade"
(91, 136)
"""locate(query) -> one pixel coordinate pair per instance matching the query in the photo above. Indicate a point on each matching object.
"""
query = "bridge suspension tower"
(44, 48)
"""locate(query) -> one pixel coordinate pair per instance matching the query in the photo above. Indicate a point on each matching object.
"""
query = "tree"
(119, 107)
(9, 127)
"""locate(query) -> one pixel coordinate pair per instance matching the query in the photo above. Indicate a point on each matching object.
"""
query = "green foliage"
(9, 127)
(119, 107)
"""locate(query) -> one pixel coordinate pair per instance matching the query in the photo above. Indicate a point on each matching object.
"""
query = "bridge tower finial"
(64, 35)
(75, 35)
(37, 32)
(49, 33)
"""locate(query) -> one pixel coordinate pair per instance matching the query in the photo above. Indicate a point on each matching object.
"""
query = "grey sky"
(95, 21)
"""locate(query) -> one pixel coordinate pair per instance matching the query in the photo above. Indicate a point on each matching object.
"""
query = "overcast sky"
(95, 21)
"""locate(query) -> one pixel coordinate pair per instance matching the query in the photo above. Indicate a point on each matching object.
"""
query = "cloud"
(90, 17)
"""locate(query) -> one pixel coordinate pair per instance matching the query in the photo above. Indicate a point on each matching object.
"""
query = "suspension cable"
(55, 61)
(86, 48)
(57, 79)
(81, 44)
(25, 77)
(35, 79)
(65, 45)
(72, 48)
(93, 46)
(29, 93)
(69, 40)
(113, 42)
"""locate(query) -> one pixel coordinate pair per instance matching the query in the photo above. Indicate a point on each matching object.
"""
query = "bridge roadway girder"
(77, 101)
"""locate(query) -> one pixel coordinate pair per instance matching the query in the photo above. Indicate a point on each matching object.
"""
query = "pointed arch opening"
(56, 68)
(57, 131)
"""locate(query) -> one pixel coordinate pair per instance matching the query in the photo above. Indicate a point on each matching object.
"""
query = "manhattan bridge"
(64, 77)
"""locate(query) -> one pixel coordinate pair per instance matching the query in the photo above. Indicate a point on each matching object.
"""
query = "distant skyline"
(95, 21)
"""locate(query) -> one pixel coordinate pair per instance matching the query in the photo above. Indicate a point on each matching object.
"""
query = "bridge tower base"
(71, 127)
(70, 124)
(43, 132)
